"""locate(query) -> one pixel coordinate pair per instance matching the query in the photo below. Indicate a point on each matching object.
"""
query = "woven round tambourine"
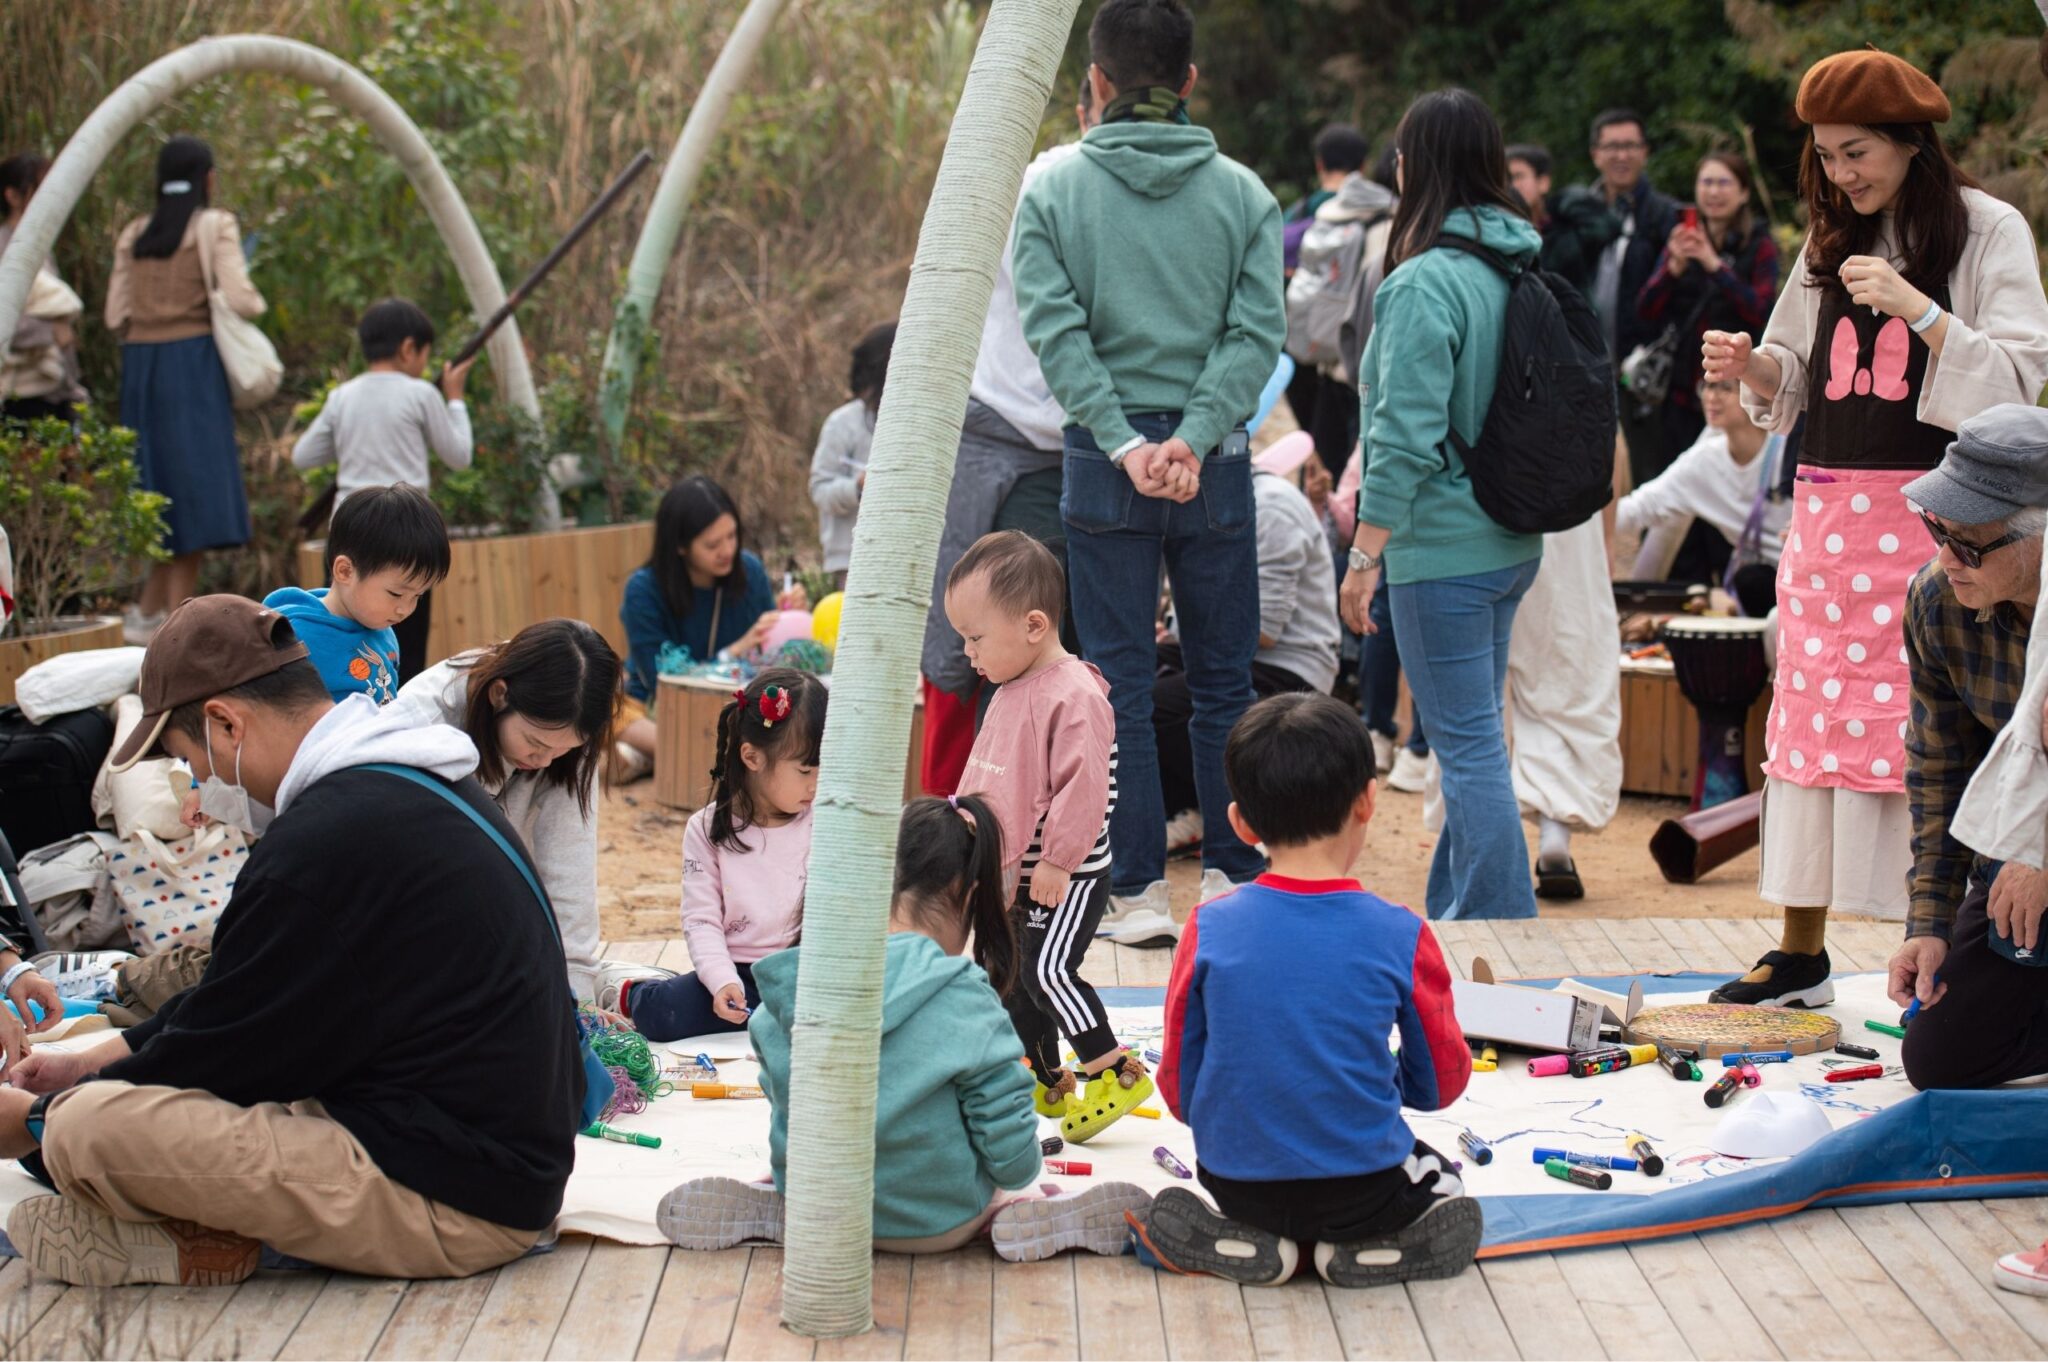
(1716, 1029)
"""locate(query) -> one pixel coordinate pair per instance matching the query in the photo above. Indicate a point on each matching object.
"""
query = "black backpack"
(1544, 460)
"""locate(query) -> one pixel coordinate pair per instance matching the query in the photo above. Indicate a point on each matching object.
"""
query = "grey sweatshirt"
(841, 457)
(1297, 584)
(378, 428)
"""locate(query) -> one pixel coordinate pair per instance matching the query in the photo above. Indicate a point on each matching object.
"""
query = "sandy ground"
(640, 853)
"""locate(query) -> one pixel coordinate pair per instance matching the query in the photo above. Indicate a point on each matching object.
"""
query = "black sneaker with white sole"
(1182, 1233)
(1438, 1245)
(1781, 979)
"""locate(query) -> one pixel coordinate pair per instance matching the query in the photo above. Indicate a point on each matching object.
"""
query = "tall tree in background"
(836, 1038)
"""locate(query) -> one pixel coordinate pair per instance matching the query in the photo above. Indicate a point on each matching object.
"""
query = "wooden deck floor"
(1883, 1281)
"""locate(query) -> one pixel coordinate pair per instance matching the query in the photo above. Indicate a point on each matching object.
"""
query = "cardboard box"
(1563, 1019)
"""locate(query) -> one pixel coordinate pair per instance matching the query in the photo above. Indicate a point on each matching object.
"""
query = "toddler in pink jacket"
(1045, 761)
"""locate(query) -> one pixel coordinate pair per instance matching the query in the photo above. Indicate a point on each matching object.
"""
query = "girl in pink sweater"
(744, 860)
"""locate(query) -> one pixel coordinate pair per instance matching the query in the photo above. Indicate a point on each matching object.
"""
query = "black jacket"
(1577, 226)
(1655, 215)
(382, 955)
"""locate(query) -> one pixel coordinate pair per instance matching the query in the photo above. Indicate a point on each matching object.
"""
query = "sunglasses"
(1969, 555)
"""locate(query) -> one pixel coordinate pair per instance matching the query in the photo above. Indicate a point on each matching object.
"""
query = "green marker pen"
(1898, 1032)
(598, 1130)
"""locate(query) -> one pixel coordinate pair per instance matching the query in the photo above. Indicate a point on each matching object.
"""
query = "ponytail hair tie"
(966, 815)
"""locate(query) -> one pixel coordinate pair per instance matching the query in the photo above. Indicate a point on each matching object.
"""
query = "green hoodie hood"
(953, 1114)
(1514, 237)
(1155, 159)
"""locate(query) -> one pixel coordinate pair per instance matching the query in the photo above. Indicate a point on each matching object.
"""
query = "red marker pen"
(1070, 1168)
(1860, 1071)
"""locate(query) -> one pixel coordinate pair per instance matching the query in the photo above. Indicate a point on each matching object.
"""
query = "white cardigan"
(2004, 813)
(561, 840)
(1997, 345)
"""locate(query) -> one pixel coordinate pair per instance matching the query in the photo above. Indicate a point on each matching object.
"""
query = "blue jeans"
(1454, 644)
(1379, 678)
(670, 1009)
(1116, 542)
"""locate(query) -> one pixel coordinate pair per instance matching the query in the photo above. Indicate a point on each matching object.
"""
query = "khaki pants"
(289, 1176)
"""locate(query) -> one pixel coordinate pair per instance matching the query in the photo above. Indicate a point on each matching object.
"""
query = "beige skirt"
(1831, 848)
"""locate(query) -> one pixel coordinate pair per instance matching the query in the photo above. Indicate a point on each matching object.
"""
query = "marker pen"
(1855, 1051)
(1652, 1162)
(1488, 1060)
(1724, 1087)
(1735, 1057)
(1860, 1071)
(704, 1063)
(1549, 1066)
(598, 1130)
(1583, 1177)
(1620, 1057)
(1895, 1032)
(1750, 1077)
(1051, 1144)
(1476, 1149)
(1149, 1113)
(707, 1091)
(1069, 1168)
(1165, 1159)
(1626, 1165)
(1680, 1063)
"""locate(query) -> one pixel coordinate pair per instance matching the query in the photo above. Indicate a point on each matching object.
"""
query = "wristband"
(7, 979)
(1117, 455)
(1927, 318)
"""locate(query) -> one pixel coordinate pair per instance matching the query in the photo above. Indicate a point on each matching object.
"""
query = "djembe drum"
(1721, 670)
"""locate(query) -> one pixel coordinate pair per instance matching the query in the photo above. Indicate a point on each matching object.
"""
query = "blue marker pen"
(1738, 1058)
(704, 1063)
(1913, 1008)
(1625, 1164)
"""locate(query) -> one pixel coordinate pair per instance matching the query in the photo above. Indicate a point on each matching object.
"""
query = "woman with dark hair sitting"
(539, 708)
(174, 391)
(701, 589)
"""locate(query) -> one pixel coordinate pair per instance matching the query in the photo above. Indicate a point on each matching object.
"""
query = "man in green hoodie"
(1148, 274)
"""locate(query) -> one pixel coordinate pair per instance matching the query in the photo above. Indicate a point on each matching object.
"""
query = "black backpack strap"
(1506, 268)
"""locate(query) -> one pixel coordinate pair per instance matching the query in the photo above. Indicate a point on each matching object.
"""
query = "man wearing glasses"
(1974, 926)
(1621, 150)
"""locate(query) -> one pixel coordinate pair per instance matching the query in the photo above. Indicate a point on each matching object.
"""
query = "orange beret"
(1867, 88)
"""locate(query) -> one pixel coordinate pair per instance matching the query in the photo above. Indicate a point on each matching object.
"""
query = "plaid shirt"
(1968, 667)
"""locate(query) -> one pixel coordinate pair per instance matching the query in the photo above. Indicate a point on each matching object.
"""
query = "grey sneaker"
(613, 977)
(720, 1213)
(1143, 928)
(1091, 1219)
(1215, 884)
(76, 1243)
(1182, 1233)
(1439, 1244)
(1123, 908)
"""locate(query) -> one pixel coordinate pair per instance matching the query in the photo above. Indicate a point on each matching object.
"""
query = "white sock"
(1553, 841)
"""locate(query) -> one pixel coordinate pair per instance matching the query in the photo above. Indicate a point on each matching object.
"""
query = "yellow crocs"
(1105, 1100)
(1053, 1101)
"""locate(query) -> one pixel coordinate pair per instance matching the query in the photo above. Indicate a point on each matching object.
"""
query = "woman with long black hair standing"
(1915, 304)
(174, 392)
(1454, 576)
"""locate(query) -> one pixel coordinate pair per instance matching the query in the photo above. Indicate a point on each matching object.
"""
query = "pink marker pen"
(1750, 1077)
(1549, 1066)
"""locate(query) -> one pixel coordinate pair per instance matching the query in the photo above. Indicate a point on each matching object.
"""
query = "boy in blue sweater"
(1303, 965)
(386, 549)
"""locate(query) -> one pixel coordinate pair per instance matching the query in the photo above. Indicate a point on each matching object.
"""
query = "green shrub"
(76, 520)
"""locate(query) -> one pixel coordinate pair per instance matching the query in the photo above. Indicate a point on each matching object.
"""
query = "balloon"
(825, 619)
(793, 624)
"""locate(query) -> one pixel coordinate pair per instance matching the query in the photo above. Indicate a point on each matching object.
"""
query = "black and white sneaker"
(82, 974)
(1781, 979)
(1182, 1233)
(1438, 1245)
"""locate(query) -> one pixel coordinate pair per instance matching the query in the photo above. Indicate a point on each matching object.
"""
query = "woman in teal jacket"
(956, 1137)
(1453, 575)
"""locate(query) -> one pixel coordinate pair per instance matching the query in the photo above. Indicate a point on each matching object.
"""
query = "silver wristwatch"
(1361, 561)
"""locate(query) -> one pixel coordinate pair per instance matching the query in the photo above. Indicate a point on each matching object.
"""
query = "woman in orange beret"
(1916, 303)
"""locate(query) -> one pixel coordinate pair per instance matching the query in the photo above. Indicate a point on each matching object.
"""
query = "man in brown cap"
(308, 1093)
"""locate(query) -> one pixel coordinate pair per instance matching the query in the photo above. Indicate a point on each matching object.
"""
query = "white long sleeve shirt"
(379, 428)
(1705, 481)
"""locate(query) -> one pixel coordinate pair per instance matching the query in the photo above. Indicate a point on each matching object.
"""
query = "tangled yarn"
(805, 655)
(636, 1075)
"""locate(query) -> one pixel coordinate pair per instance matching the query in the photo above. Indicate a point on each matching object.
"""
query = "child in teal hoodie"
(954, 1125)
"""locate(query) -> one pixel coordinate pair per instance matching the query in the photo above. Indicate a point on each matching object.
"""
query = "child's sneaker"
(82, 974)
(1439, 1244)
(1106, 1099)
(1052, 1101)
(1091, 1219)
(2024, 1272)
(1180, 1233)
(720, 1213)
(614, 977)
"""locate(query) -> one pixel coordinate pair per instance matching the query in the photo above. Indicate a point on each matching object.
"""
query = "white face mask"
(231, 804)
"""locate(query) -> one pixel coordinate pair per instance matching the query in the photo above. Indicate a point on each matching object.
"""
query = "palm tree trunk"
(836, 1039)
(657, 244)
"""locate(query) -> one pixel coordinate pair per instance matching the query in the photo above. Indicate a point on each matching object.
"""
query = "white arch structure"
(169, 76)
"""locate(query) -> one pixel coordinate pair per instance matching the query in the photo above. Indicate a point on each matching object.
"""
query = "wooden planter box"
(686, 715)
(78, 635)
(496, 587)
(1660, 732)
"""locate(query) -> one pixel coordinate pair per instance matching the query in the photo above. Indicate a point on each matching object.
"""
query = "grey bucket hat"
(1997, 466)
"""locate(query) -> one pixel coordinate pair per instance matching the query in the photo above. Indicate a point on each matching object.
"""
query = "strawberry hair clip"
(774, 704)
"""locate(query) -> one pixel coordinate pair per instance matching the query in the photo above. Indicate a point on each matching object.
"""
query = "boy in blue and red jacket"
(1283, 995)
